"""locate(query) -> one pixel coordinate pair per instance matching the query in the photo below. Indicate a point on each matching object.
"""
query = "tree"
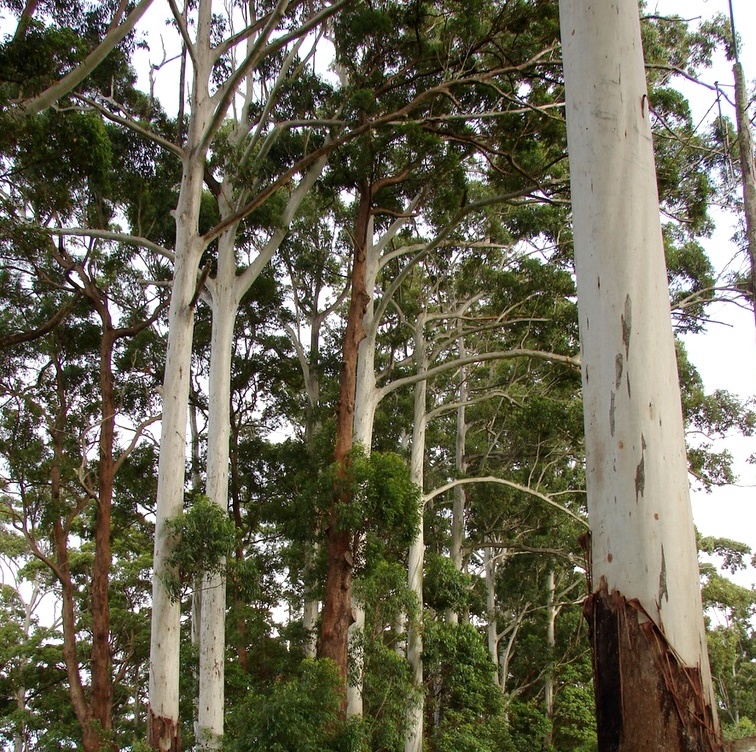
(645, 609)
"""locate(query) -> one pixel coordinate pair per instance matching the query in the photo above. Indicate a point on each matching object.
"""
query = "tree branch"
(510, 484)
(70, 81)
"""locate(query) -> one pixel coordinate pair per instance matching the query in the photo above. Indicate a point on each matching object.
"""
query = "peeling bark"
(647, 699)
(164, 733)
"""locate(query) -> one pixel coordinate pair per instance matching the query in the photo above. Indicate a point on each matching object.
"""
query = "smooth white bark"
(164, 640)
(365, 403)
(226, 292)
(416, 559)
(551, 615)
(164, 644)
(212, 626)
(71, 80)
(492, 631)
(643, 540)
(460, 464)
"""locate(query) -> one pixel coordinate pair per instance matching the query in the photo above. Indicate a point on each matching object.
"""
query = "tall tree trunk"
(652, 678)
(492, 628)
(100, 664)
(548, 688)
(416, 558)
(337, 605)
(747, 172)
(458, 508)
(90, 737)
(311, 605)
(365, 402)
(163, 719)
(213, 617)
(163, 723)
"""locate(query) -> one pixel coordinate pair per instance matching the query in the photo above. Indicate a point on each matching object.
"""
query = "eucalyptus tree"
(223, 58)
(440, 85)
(47, 59)
(645, 602)
(68, 496)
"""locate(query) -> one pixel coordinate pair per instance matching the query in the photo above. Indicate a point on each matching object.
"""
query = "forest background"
(434, 151)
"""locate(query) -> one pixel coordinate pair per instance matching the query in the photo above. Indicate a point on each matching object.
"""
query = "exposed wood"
(163, 734)
(646, 699)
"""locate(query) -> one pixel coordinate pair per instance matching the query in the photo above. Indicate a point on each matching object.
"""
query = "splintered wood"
(640, 671)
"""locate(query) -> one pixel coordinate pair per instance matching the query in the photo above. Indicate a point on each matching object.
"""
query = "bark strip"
(646, 699)
(163, 733)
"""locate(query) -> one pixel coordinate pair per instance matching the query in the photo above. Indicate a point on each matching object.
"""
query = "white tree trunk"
(226, 290)
(747, 169)
(646, 605)
(416, 559)
(492, 631)
(163, 722)
(212, 630)
(458, 507)
(365, 403)
(548, 689)
(164, 644)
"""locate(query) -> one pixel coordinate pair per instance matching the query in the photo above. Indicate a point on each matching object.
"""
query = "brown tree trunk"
(337, 604)
(100, 665)
(646, 699)
(90, 738)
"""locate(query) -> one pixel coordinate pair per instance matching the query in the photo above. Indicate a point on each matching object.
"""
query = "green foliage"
(297, 715)
(461, 677)
(387, 693)
(445, 587)
(574, 713)
(377, 498)
(204, 537)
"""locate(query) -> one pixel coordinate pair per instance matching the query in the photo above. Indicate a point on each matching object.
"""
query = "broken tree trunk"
(653, 684)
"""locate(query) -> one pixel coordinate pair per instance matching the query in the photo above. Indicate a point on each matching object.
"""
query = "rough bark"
(337, 605)
(100, 664)
(646, 698)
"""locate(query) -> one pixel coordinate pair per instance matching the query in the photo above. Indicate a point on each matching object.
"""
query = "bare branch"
(70, 81)
(118, 237)
(510, 484)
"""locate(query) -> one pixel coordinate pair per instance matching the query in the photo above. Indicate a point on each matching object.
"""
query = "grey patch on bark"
(663, 592)
(640, 472)
(627, 323)
(611, 414)
(619, 366)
